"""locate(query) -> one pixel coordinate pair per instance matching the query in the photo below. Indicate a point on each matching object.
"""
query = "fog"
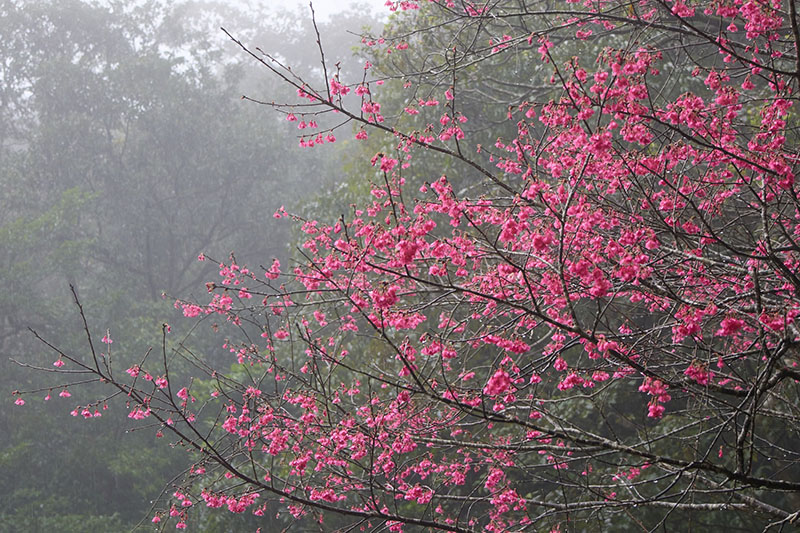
(126, 151)
(326, 9)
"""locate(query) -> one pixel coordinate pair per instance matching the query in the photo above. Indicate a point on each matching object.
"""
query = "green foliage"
(125, 151)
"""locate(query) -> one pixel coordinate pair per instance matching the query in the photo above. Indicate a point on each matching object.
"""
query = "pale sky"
(325, 8)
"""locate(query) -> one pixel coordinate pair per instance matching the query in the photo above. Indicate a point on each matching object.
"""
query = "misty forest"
(450, 265)
(126, 151)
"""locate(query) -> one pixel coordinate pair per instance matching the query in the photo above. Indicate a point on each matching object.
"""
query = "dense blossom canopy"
(587, 319)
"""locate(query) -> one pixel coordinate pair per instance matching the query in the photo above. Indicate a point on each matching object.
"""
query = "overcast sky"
(326, 8)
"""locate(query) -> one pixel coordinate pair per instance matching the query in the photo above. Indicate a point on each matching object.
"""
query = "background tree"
(600, 336)
(125, 151)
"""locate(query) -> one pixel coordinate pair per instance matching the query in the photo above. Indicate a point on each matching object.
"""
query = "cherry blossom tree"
(589, 323)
